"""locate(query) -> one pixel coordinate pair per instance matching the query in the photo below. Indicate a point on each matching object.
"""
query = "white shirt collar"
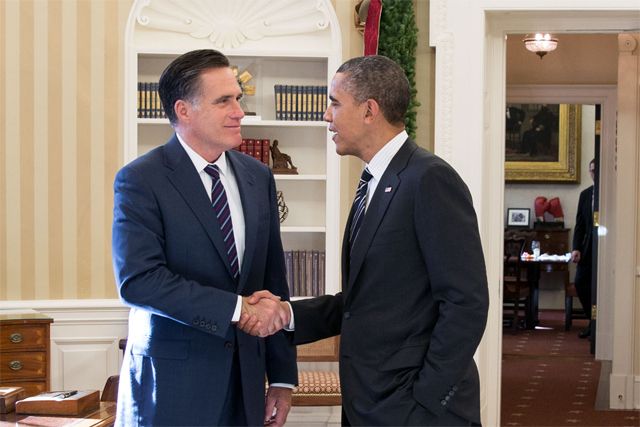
(382, 158)
(199, 162)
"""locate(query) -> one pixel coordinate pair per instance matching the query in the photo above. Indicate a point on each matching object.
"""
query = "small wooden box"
(8, 398)
(51, 403)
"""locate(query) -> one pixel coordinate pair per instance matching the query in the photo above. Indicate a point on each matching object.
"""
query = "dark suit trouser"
(583, 286)
(448, 419)
(233, 409)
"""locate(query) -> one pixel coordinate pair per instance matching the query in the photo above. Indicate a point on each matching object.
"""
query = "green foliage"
(398, 40)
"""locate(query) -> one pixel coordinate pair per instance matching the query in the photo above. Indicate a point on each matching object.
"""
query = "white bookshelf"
(278, 42)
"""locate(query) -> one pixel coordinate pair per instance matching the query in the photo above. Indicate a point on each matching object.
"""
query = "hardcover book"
(8, 398)
(60, 403)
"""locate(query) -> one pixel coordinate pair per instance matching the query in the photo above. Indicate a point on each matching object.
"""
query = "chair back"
(513, 248)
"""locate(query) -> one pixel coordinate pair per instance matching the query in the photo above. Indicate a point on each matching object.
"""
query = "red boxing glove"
(541, 205)
(555, 209)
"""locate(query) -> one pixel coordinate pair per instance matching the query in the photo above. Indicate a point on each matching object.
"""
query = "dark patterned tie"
(359, 204)
(221, 207)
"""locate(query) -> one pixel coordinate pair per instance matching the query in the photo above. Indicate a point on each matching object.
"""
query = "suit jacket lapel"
(185, 179)
(248, 195)
(385, 191)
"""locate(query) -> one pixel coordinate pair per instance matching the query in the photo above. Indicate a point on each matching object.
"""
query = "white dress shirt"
(380, 161)
(377, 166)
(233, 197)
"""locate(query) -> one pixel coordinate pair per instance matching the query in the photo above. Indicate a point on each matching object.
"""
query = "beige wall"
(60, 145)
(61, 65)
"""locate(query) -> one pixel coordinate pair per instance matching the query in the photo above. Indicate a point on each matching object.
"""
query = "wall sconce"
(540, 44)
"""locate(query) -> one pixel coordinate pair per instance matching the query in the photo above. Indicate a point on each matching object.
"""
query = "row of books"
(295, 102)
(258, 148)
(292, 102)
(305, 272)
(149, 104)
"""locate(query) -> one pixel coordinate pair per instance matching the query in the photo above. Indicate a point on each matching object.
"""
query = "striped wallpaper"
(61, 66)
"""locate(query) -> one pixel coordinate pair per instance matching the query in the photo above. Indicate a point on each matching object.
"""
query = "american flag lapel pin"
(388, 190)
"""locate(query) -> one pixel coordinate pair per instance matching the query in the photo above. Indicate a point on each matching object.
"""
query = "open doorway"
(565, 79)
(470, 67)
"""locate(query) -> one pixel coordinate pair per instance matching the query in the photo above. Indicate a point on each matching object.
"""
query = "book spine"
(322, 274)
(296, 273)
(288, 263)
(257, 149)
(266, 149)
(277, 89)
(308, 269)
(315, 282)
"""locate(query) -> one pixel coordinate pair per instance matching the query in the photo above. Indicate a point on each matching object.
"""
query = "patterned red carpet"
(549, 378)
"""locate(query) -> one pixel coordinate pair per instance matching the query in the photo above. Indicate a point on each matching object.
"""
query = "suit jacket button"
(208, 326)
(196, 320)
(347, 315)
(202, 323)
(228, 344)
(451, 393)
(214, 328)
(443, 402)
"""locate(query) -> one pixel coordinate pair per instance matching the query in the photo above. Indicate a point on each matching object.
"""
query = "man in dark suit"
(581, 253)
(414, 294)
(183, 260)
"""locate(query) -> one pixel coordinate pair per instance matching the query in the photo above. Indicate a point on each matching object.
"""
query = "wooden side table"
(25, 351)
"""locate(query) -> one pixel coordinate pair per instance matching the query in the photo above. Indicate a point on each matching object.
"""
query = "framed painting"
(542, 142)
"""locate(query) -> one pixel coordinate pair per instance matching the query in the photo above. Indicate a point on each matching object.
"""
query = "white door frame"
(469, 123)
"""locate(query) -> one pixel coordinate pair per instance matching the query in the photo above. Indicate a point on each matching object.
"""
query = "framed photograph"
(518, 217)
(542, 142)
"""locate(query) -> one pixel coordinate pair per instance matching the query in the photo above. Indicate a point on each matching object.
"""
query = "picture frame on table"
(542, 142)
(518, 217)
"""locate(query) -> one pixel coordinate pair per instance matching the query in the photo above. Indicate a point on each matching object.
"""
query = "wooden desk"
(552, 241)
(105, 416)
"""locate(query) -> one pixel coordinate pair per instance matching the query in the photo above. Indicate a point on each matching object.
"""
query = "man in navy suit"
(582, 253)
(195, 231)
(414, 297)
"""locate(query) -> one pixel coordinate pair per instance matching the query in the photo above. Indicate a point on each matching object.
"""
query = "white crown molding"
(229, 24)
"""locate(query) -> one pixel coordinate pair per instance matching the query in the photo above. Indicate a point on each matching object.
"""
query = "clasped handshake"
(263, 314)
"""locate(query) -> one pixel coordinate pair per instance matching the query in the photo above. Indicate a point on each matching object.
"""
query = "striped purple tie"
(221, 207)
(359, 204)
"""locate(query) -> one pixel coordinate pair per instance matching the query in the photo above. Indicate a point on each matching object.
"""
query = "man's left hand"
(278, 399)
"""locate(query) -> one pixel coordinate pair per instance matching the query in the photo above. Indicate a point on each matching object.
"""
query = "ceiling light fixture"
(540, 44)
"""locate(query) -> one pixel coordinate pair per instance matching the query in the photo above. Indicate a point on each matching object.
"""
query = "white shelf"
(252, 122)
(284, 123)
(300, 177)
(302, 229)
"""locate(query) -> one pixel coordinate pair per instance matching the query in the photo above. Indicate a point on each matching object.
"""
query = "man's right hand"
(575, 256)
(263, 314)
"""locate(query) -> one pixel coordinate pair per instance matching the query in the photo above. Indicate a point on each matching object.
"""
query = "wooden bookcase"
(278, 43)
